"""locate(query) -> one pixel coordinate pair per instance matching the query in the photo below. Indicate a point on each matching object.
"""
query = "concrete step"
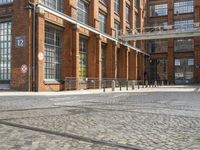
(4, 86)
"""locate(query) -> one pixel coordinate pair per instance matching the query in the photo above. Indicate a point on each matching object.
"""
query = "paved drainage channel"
(73, 136)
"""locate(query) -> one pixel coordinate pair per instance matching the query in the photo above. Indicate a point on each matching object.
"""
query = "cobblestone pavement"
(165, 119)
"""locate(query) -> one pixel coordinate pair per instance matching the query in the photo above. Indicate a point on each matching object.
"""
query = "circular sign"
(24, 68)
(40, 56)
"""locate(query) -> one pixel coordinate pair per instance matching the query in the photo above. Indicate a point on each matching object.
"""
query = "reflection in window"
(158, 69)
(183, 7)
(158, 10)
(183, 44)
(83, 71)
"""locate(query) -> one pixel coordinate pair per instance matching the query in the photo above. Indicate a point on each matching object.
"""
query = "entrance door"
(184, 70)
(5, 54)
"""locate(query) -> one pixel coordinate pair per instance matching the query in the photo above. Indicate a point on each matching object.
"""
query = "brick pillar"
(132, 65)
(21, 27)
(110, 26)
(98, 60)
(123, 63)
(170, 58)
(123, 16)
(170, 43)
(140, 66)
(197, 44)
(111, 60)
(40, 32)
(92, 53)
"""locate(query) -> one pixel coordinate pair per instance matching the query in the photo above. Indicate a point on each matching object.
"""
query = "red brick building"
(176, 59)
(45, 43)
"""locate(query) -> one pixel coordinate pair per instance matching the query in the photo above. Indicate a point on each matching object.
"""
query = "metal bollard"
(146, 83)
(113, 85)
(162, 83)
(138, 85)
(133, 85)
(120, 85)
(155, 83)
(142, 84)
(127, 85)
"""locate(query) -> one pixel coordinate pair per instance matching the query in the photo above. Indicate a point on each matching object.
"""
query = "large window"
(136, 3)
(158, 46)
(103, 2)
(5, 51)
(136, 20)
(82, 14)
(160, 23)
(128, 13)
(117, 29)
(183, 7)
(117, 6)
(52, 53)
(83, 71)
(158, 10)
(184, 44)
(102, 22)
(54, 4)
(103, 57)
(183, 24)
(5, 1)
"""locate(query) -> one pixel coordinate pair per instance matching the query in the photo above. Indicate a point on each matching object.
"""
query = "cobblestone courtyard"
(164, 118)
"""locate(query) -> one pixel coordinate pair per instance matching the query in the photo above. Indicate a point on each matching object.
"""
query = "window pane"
(54, 4)
(183, 7)
(158, 10)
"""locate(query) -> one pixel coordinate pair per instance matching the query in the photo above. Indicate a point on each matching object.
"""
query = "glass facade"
(102, 22)
(184, 7)
(82, 13)
(183, 24)
(5, 51)
(183, 44)
(83, 45)
(54, 4)
(52, 53)
(158, 10)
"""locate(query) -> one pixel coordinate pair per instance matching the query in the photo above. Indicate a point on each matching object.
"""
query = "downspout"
(33, 86)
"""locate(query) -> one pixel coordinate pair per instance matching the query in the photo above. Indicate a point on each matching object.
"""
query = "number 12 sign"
(20, 41)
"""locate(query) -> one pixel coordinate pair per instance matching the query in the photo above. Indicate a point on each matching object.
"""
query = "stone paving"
(167, 118)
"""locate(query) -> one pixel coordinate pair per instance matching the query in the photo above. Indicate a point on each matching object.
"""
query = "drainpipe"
(33, 86)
